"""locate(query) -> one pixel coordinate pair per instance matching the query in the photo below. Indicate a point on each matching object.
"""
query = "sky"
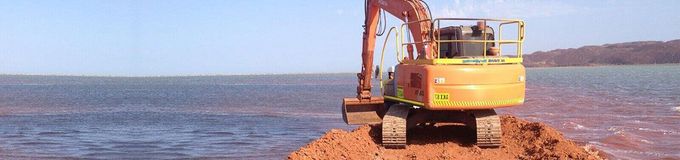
(226, 37)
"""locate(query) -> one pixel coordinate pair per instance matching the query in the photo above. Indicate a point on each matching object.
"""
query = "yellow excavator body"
(459, 87)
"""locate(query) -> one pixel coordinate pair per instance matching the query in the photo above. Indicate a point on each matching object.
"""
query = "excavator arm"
(366, 108)
(414, 13)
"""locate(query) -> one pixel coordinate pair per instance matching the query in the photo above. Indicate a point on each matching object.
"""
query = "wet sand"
(521, 140)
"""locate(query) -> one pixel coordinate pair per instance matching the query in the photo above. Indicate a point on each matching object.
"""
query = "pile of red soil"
(521, 140)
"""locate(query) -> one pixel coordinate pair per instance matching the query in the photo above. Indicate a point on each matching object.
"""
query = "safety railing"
(485, 59)
(400, 37)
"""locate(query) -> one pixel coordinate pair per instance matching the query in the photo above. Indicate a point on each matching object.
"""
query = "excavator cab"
(459, 49)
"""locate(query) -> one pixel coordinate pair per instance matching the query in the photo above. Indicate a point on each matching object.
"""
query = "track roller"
(488, 126)
(394, 126)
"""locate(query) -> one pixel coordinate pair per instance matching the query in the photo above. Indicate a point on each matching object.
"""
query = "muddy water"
(631, 112)
(628, 111)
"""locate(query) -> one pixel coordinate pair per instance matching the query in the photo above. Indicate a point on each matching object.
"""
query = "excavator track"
(394, 126)
(488, 126)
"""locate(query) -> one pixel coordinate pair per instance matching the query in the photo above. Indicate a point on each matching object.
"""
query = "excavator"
(453, 74)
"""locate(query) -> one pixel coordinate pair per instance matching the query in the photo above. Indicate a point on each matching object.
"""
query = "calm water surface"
(631, 112)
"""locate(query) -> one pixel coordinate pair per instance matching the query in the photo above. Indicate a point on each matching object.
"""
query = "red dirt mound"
(521, 140)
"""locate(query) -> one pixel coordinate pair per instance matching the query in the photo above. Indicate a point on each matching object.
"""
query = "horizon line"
(168, 76)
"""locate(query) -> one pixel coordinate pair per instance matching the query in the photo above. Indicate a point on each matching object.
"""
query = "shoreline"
(605, 65)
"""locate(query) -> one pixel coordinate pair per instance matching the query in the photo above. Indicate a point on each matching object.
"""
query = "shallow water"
(184, 117)
(628, 111)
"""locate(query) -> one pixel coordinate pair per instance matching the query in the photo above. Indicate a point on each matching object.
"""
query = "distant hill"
(642, 52)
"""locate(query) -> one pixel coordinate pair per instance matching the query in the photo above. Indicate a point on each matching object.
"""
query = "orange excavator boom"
(366, 108)
(412, 12)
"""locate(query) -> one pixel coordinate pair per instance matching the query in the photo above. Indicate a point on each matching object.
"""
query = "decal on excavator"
(439, 97)
(400, 92)
(439, 80)
(476, 61)
(416, 80)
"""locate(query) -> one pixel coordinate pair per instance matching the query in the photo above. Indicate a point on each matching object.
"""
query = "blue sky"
(162, 38)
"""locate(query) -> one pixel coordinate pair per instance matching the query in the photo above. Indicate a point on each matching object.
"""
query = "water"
(263, 117)
(630, 112)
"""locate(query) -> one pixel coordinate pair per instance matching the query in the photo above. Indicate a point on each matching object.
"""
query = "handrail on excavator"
(382, 56)
(499, 40)
(435, 36)
(400, 37)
